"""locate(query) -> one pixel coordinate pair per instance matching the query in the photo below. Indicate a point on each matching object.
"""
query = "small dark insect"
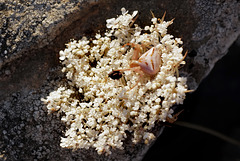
(115, 74)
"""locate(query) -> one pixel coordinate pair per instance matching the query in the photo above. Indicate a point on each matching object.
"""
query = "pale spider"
(149, 62)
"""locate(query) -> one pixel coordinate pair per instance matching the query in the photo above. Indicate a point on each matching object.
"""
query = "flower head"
(98, 110)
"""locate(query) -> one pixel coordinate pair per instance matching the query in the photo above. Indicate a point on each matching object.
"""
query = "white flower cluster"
(99, 110)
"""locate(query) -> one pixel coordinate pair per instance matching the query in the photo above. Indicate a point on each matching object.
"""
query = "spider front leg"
(136, 52)
(136, 68)
(135, 56)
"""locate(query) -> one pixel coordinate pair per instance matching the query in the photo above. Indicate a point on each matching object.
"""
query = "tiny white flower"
(134, 13)
(154, 20)
(124, 11)
(110, 22)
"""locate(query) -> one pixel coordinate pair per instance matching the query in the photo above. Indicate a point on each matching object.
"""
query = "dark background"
(216, 105)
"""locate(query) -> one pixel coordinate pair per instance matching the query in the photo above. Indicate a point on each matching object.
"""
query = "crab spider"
(148, 63)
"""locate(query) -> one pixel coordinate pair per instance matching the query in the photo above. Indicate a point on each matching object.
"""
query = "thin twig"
(209, 131)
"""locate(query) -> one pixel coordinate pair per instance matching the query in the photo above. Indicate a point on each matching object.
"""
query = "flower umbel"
(97, 109)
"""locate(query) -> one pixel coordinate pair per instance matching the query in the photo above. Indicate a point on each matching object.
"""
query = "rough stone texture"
(33, 32)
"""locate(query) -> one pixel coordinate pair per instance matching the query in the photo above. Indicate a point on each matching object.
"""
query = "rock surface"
(33, 32)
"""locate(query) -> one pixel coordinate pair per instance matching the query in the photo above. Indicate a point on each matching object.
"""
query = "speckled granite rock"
(33, 32)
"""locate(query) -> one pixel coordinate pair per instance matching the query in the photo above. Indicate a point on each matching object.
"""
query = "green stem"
(209, 131)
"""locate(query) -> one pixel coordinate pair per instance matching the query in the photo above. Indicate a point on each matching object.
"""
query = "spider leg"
(122, 70)
(137, 49)
(137, 70)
